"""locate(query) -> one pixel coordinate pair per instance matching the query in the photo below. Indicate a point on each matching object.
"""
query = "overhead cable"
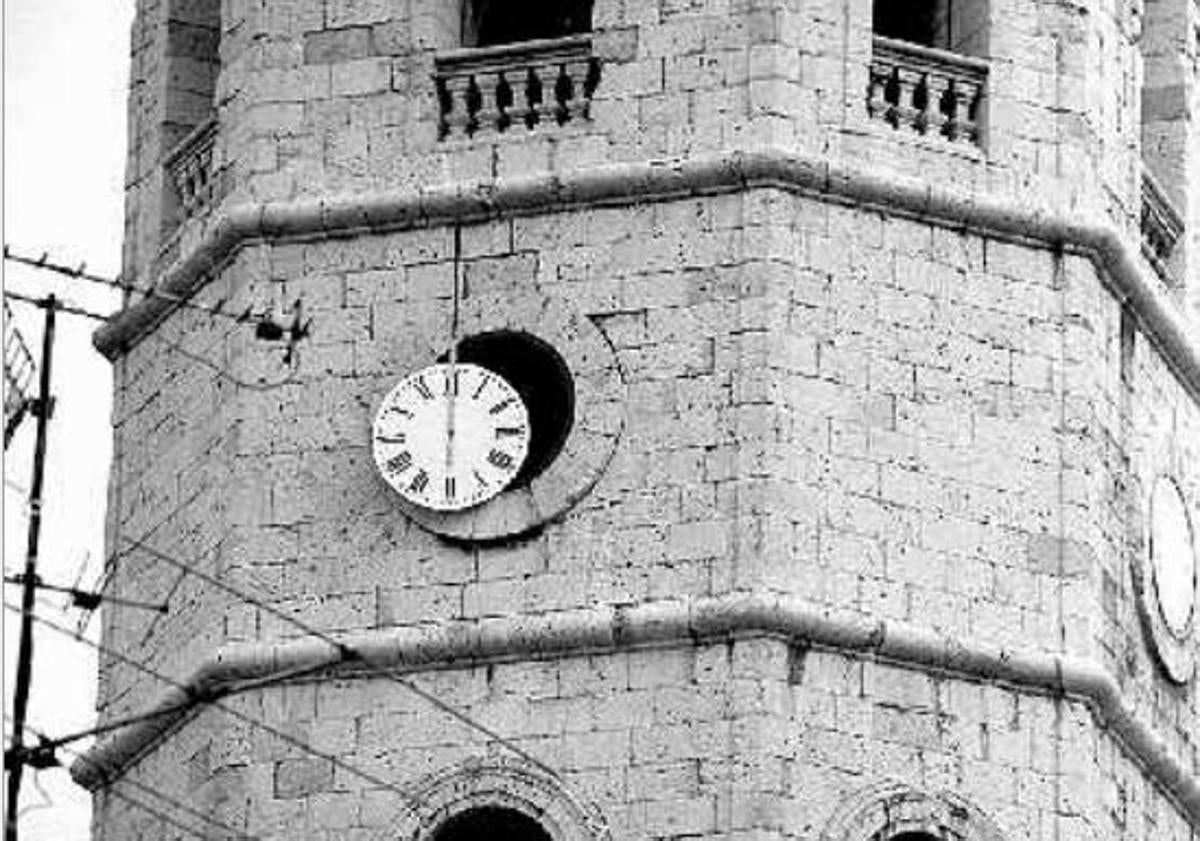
(216, 702)
(349, 654)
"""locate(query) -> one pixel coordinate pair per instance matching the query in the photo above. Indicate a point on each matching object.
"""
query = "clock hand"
(452, 387)
(452, 383)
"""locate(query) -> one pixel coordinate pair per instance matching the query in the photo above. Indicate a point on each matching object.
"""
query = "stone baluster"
(487, 115)
(453, 103)
(955, 126)
(504, 102)
(535, 110)
(973, 96)
(908, 83)
(877, 102)
(933, 117)
(591, 81)
(473, 98)
(564, 92)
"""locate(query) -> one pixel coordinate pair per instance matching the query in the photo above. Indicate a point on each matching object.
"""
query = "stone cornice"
(627, 183)
(664, 623)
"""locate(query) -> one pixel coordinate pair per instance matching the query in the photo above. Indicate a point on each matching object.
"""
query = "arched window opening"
(491, 823)
(488, 23)
(890, 810)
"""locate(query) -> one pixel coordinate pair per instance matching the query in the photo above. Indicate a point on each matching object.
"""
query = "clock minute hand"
(452, 392)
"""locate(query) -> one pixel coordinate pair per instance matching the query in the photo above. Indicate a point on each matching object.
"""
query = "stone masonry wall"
(863, 411)
(736, 739)
(338, 98)
(1142, 425)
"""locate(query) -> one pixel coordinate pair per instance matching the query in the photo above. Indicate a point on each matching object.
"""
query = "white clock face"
(1172, 556)
(450, 437)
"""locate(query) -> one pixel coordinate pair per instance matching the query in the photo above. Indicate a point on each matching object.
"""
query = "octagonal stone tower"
(862, 401)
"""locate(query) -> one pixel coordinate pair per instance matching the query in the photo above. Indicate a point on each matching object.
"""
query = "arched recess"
(894, 811)
(511, 792)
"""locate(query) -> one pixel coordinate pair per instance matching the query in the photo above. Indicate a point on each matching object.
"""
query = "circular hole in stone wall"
(541, 376)
(491, 823)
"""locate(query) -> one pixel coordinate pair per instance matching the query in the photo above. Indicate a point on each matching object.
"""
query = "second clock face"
(450, 437)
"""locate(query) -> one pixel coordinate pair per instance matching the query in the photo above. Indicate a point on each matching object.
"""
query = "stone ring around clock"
(599, 420)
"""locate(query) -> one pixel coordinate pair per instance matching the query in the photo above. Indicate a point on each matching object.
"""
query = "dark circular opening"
(491, 823)
(919, 835)
(541, 376)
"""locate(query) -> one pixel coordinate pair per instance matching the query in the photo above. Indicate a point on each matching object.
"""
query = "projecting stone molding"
(664, 623)
(234, 226)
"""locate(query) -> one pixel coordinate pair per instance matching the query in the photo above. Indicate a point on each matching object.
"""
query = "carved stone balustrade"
(190, 167)
(925, 90)
(1162, 225)
(523, 85)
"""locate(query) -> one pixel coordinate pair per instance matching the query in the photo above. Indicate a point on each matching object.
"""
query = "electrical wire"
(163, 816)
(60, 305)
(349, 654)
(265, 327)
(217, 703)
(56, 744)
(14, 485)
(79, 273)
(47, 800)
(221, 372)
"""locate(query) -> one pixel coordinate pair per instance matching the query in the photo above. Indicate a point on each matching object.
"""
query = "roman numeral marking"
(450, 487)
(499, 459)
(451, 384)
(483, 483)
(482, 385)
(403, 412)
(419, 482)
(509, 431)
(399, 462)
(422, 388)
(398, 438)
(501, 406)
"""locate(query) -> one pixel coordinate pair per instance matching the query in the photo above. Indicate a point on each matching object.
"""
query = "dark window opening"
(491, 823)
(193, 62)
(958, 26)
(490, 22)
(925, 22)
(919, 835)
(541, 376)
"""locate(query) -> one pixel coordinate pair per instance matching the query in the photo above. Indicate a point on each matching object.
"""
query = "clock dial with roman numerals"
(450, 437)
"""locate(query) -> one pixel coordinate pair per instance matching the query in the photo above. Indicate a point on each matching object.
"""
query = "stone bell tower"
(723, 419)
